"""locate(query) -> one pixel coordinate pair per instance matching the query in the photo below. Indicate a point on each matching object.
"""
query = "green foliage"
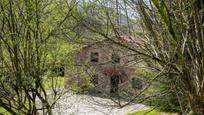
(151, 112)
(30, 45)
(3, 111)
(80, 81)
(161, 6)
(80, 88)
(166, 103)
(51, 81)
(60, 52)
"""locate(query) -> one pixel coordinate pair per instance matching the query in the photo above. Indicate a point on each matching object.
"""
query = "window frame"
(94, 57)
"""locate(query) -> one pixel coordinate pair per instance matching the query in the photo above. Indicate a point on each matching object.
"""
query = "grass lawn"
(149, 112)
(57, 82)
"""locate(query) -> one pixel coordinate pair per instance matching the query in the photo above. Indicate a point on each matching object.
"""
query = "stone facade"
(112, 67)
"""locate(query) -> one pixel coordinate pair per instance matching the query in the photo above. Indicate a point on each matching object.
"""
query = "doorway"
(114, 84)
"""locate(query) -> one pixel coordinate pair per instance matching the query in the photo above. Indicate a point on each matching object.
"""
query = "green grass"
(151, 112)
(57, 82)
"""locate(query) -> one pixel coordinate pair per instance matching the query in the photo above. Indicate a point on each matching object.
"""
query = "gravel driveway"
(89, 105)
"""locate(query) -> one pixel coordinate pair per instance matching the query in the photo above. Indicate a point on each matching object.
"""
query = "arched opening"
(114, 83)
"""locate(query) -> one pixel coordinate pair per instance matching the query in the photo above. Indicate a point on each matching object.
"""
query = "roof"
(128, 39)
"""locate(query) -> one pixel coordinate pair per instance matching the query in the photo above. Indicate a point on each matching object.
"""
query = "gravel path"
(89, 105)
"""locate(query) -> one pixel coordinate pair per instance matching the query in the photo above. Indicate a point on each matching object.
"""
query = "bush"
(151, 112)
(166, 103)
(59, 70)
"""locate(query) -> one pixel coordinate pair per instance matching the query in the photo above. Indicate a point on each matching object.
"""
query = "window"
(115, 58)
(94, 57)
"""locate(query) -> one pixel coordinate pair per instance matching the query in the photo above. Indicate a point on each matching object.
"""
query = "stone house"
(112, 66)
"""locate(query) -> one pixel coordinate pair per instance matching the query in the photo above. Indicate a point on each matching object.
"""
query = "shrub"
(166, 103)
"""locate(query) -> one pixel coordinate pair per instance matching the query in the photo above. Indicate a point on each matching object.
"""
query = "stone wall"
(105, 68)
